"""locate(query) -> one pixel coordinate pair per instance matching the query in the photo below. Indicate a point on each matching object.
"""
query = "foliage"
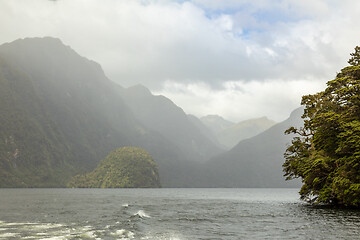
(31, 149)
(326, 152)
(127, 167)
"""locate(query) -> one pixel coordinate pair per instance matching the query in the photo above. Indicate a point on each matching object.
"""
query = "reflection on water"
(169, 214)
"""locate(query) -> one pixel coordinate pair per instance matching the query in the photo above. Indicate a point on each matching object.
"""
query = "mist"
(275, 51)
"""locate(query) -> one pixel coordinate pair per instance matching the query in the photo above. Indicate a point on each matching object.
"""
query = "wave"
(124, 234)
(8, 235)
(142, 214)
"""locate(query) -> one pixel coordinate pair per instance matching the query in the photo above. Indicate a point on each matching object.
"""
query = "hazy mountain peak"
(214, 117)
(40, 44)
(256, 161)
(139, 90)
(33, 52)
(297, 113)
(230, 136)
(42, 40)
(216, 123)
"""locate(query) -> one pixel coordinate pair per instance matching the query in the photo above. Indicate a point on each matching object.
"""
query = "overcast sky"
(239, 59)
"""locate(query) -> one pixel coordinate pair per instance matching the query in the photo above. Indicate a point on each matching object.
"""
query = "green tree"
(126, 167)
(325, 154)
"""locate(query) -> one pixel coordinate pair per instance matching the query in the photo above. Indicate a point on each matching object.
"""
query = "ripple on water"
(181, 214)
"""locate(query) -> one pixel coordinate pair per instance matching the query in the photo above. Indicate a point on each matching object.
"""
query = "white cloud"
(240, 100)
(201, 44)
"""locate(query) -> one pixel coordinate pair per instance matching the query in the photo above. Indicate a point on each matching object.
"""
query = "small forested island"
(126, 167)
(326, 154)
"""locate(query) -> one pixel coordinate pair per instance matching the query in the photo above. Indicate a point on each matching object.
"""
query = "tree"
(126, 167)
(325, 154)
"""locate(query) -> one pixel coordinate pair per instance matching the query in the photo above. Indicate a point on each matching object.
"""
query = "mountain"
(228, 134)
(232, 135)
(161, 115)
(216, 123)
(60, 115)
(254, 162)
(56, 117)
(204, 130)
(127, 167)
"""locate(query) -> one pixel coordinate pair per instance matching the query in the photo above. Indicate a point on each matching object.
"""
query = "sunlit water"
(169, 214)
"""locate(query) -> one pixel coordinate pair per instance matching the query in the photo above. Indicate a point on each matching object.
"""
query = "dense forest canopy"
(326, 152)
(126, 167)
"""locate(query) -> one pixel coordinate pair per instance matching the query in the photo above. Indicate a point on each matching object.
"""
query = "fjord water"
(169, 214)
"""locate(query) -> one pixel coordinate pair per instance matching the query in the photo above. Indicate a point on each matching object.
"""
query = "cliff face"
(127, 167)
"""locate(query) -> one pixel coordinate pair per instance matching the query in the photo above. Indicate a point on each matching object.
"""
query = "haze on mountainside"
(228, 134)
(167, 66)
(61, 115)
(81, 116)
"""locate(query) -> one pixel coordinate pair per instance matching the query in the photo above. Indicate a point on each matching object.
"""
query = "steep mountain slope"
(63, 105)
(29, 148)
(160, 114)
(231, 136)
(254, 162)
(60, 116)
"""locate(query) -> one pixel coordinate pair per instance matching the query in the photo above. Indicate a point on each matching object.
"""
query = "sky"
(239, 59)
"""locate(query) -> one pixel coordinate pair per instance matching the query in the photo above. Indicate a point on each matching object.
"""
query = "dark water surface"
(169, 214)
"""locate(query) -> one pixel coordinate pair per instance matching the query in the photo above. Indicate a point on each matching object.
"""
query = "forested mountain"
(126, 167)
(55, 117)
(60, 115)
(254, 162)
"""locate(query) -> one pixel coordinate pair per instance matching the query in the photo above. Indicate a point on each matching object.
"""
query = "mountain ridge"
(78, 116)
(61, 115)
(255, 162)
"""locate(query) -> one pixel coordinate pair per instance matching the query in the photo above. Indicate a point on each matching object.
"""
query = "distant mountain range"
(254, 162)
(216, 123)
(228, 134)
(232, 135)
(60, 115)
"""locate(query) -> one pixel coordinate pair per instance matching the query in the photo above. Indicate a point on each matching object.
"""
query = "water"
(169, 214)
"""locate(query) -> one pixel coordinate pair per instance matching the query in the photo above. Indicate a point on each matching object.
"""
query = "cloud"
(241, 100)
(197, 43)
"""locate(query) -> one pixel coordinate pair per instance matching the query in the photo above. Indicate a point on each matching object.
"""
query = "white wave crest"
(124, 234)
(8, 235)
(142, 214)
(163, 237)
